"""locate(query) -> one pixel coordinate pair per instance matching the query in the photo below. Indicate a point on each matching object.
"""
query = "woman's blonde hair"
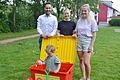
(87, 6)
(66, 9)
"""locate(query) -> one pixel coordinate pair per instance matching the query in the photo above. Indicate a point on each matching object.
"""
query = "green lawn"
(16, 58)
(17, 34)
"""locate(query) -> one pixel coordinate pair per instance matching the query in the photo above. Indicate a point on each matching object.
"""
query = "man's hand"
(44, 36)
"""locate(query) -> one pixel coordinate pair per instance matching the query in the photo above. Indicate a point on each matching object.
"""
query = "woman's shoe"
(82, 78)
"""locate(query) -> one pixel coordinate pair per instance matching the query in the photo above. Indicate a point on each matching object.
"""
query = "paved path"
(17, 39)
(117, 30)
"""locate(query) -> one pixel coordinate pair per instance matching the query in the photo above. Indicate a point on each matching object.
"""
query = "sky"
(116, 4)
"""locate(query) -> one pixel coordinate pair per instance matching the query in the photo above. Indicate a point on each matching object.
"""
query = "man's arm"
(39, 25)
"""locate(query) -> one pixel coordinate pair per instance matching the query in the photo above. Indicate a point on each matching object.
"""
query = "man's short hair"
(47, 3)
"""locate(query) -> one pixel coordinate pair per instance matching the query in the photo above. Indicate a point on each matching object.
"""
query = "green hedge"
(114, 22)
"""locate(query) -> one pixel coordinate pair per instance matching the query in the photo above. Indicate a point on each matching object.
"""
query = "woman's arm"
(90, 49)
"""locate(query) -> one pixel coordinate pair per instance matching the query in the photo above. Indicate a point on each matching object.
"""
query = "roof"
(106, 1)
(110, 7)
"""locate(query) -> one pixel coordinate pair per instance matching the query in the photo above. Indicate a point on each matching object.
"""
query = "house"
(106, 11)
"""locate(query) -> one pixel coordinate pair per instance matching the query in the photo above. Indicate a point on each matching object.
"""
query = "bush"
(114, 22)
(4, 27)
(3, 23)
(24, 19)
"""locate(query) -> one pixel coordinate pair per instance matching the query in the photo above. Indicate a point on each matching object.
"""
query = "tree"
(20, 13)
(4, 9)
(59, 5)
(93, 5)
(74, 5)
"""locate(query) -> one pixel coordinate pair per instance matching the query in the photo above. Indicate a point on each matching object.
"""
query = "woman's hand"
(90, 49)
(74, 35)
(61, 35)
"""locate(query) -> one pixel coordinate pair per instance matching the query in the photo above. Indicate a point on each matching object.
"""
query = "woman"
(86, 32)
(66, 26)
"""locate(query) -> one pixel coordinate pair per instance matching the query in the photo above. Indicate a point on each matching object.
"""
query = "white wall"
(109, 14)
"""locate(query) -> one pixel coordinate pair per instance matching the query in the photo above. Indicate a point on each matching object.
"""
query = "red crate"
(65, 51)
(65, 72)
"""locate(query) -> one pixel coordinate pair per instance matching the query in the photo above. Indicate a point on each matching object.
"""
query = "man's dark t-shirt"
(66, 27)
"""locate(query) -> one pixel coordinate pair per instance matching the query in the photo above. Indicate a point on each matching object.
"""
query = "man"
(46, 23)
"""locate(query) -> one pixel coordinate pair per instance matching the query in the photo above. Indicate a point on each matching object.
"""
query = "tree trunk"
(14, 15)
(43, 1)
(77, 8)
(58, 9)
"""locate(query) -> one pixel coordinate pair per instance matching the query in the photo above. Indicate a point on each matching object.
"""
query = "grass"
(17, 34)
(16, 58)
(106, 61)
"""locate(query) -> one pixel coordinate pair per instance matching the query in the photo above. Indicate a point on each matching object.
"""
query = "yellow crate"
(65, 48)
